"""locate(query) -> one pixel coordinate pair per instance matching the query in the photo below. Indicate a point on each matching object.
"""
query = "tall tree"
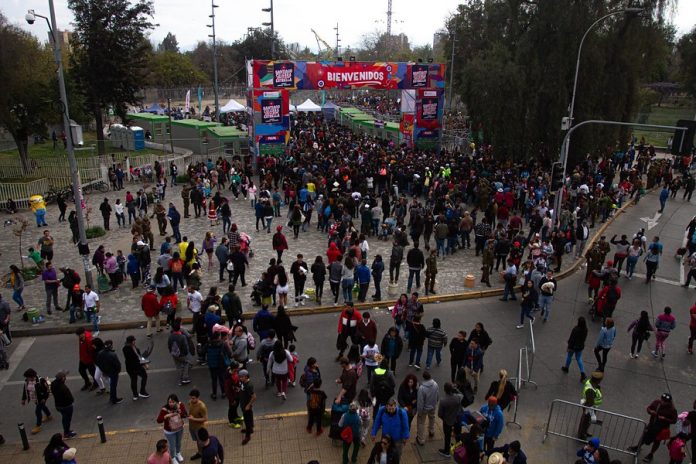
(687, 62)
(109, 54)
(26, 73)
(171, 69)
(515, 63)
(169, 44)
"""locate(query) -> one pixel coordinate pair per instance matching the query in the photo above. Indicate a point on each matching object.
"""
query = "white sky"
(187, 19)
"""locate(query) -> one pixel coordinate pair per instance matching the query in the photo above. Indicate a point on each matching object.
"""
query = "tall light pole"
(567, 122)
(337, 41)
(215, 69)
(451, 83)
(272, 26)
(83, 247)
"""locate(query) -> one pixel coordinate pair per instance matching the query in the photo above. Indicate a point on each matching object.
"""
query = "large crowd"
(358, 188)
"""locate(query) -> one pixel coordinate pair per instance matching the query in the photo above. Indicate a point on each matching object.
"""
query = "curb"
(61, 330)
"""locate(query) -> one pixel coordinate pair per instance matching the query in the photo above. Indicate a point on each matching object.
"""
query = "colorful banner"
(428, 121)
(429, 108)
(406, 128)
(271, 110)
(309, 75)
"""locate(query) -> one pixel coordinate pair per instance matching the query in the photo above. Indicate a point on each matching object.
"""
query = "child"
(121, 261)
(365, 413)
(677, 448)
(36, 257)
(316, 403)
(292, 366)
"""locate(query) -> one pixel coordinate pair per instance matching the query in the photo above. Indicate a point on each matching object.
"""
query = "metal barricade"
(616, 431)
(525, 363)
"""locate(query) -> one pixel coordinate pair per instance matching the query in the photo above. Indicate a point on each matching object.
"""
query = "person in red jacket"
(280, 243)
(87, 354)
(347, 327)
(151, 308)
(333, 253)
(168, 304)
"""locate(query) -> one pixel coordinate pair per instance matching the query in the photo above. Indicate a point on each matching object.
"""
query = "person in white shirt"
(369, 354)
(120, 214)
(193, 303)
(91, 307)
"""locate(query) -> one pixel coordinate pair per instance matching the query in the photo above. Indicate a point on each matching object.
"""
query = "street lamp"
(215, 69)
(451, 83)
(83, 247)
(567, 121)
(271, 25)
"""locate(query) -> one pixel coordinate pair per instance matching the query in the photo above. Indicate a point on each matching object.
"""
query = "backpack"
(175, 351)
(612, 296)
(314, 401)
(251, 341)
(176, 266)
(383, 391)
(303, 380)
(167, 308)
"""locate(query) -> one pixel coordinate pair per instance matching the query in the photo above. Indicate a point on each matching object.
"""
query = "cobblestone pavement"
(123, 305)
(276, 440)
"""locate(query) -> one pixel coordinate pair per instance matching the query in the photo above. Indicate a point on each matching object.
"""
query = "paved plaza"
(123, 305)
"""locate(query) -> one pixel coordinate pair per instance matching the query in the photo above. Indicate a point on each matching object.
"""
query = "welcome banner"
(309, 75)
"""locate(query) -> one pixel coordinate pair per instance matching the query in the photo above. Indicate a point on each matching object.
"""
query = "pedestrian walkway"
(123, 305)
(278, 439)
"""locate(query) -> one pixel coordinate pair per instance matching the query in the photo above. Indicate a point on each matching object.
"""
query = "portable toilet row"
(127, 138)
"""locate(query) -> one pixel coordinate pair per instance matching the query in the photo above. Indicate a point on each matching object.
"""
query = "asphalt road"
(629, 384)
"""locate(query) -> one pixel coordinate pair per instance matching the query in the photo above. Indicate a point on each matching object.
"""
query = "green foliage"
(26, 74)
(182, 179)
(173, 69)
(169, 44)
(109, 54)
(95, 231)
(687, 66)
(515, 63)
(30, 273)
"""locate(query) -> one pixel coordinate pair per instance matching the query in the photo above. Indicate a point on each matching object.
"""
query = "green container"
(33, 313)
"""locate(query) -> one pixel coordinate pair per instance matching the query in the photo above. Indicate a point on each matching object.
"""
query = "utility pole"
(337, 41)
(271, 25)
(83, 247)
(389, 17)
(215, 69)
(454, 42)
(169, 111)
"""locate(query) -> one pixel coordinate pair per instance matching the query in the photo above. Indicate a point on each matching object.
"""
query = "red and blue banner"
(309, 75)
(271, 118)
(430, 105)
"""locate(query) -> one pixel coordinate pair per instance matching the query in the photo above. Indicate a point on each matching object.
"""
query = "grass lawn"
(664, 116)
(45, 150)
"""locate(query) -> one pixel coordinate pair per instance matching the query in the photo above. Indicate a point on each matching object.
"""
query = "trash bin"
(469, 281)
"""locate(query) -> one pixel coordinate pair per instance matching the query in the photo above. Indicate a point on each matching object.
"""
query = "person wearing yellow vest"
(591, 398)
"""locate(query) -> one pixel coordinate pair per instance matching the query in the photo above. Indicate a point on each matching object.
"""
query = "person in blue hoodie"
(664, 195)
(133, 269)
(496, 421)
(351, 419)
(393, 421)
(362, 273)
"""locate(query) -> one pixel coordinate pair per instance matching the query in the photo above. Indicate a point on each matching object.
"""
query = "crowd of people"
(360, 188)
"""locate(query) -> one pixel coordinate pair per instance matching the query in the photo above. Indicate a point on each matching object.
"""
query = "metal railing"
(616, 431)
(525, 363)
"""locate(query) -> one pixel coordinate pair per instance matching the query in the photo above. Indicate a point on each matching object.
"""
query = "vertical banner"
(187, 108)
(270, 110)
(406, 129)
(419, 75)
(428, 122)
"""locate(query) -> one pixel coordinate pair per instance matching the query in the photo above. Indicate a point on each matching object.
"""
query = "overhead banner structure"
(430, 105)
(309, 75)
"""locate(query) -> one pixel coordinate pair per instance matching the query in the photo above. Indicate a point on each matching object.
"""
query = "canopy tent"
(330, 106)
(308, 106)
(329, 109)
(155, 108)
(232, 106)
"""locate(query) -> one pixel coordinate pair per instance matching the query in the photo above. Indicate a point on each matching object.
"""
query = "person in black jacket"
(481, 337)
(107, 360)
(283, 327)
(416, 340)
(415, 261)
(135, 368)
(385, 446)
(576, 343)
(391, 347)
(64, 403)
(318, 270)
(457, 350)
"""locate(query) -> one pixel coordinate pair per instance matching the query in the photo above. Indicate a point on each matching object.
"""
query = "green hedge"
(182, 179)
(95, 231)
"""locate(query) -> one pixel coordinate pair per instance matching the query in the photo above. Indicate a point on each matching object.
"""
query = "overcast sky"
(187, 19)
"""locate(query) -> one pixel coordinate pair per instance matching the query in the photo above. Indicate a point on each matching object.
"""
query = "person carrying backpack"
(37, 390)
(316, 404)
(382, 385)
(178, 345)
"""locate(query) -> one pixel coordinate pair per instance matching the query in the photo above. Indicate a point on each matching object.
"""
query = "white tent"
(308, 106)
(232, 106)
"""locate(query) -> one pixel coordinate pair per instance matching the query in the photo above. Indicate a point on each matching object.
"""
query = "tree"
(109, 54)
(171, 69)
(515, 63)
(169, 44)
(687, 66)
(26, 73)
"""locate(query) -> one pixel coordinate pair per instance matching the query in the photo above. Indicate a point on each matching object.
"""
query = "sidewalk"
(278, 439)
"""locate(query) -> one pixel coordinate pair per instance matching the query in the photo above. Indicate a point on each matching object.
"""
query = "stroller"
(337, 411)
